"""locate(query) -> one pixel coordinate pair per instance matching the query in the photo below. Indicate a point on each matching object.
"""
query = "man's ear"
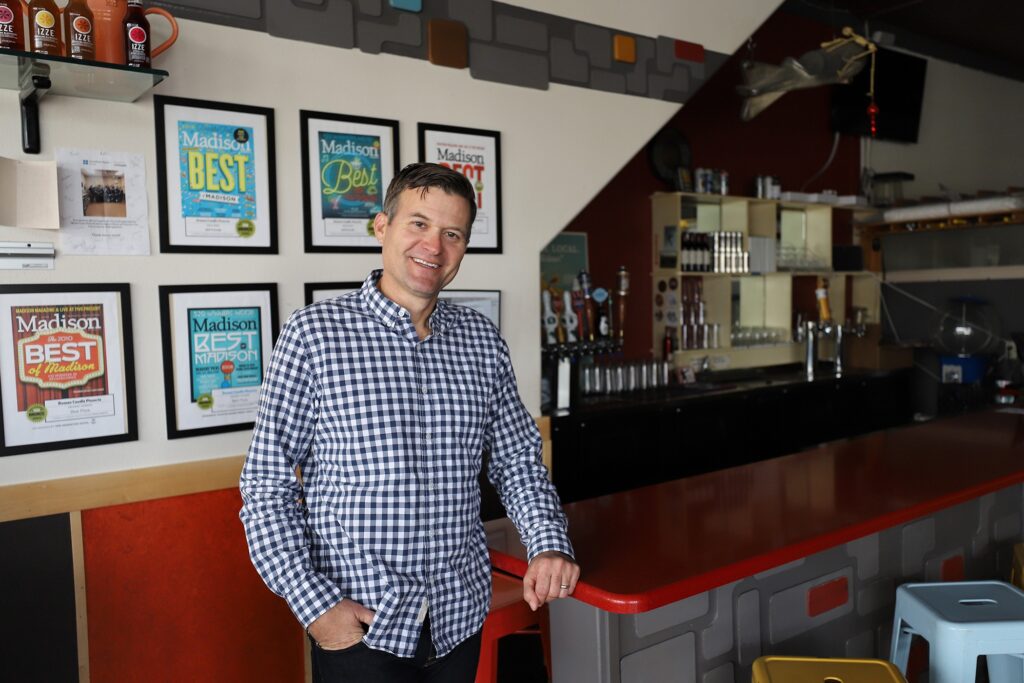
(380, 225)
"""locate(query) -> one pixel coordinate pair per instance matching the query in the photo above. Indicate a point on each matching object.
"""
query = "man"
(385, 399)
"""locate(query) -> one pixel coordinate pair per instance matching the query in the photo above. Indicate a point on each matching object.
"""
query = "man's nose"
(432, 240)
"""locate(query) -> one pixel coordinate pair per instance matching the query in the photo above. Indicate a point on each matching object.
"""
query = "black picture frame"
(460, 297)
(322, 243)
(486, 245)
(170, 244)
(311, 288)
(122, 293)
(172, 388)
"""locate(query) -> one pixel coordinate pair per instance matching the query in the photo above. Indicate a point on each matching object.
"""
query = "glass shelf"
(77, 78)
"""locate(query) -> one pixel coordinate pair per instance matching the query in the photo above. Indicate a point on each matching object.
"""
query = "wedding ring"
(564, 586)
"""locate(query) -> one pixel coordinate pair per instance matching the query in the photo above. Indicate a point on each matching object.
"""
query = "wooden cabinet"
(753, 313)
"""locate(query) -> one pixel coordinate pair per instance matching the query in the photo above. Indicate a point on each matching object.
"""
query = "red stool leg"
(487, 669)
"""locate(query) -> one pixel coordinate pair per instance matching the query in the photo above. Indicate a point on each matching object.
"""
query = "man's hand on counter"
(551, 575)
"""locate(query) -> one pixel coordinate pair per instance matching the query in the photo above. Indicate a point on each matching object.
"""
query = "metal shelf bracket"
(35, 82)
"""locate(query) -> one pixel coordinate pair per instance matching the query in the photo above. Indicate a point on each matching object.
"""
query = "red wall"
(790, 140)
(172, 596)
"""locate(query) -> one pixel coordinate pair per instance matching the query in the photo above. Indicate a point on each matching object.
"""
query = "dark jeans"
(361, 664)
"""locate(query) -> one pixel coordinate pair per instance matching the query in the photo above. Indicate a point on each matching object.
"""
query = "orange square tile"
(624, 49)
(447, 43)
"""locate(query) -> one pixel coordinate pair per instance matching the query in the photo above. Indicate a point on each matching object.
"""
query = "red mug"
(108, 19)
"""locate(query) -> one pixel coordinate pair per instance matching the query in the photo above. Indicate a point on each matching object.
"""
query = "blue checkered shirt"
(388, 431)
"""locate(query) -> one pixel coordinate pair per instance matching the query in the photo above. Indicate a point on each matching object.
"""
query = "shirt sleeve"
(517, 470)
(273, 511)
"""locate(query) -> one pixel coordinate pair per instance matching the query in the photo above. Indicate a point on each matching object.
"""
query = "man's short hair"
(424, 176)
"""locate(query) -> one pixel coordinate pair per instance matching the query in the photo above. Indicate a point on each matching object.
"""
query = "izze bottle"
(136, 36)
(44, 28)
(12, 30)
(78, 33)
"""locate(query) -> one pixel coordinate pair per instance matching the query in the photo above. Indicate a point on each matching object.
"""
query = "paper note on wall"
(28, 194)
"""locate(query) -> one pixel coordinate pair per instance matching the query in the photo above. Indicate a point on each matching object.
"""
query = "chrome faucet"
(840, 344)
(814, 331)
(811, 356)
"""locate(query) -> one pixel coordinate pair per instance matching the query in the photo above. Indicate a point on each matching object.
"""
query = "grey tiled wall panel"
(508, 44)
(403, 29)
(506, 65)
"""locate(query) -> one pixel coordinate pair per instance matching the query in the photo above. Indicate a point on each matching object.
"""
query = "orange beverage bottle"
(44, 28)
(136, 36)
(78, 31)
(12, 27)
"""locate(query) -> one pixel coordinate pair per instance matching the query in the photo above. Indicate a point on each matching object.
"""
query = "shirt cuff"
(549, 538)
(313, 596)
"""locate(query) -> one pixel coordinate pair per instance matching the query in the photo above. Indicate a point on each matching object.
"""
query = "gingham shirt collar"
(392, 315)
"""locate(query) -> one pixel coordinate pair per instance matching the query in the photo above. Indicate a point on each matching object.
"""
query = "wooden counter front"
(648, 547)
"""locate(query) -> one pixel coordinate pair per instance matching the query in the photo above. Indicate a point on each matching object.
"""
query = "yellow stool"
(812, 670)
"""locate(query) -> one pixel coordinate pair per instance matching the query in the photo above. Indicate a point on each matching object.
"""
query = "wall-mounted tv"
(899, 89)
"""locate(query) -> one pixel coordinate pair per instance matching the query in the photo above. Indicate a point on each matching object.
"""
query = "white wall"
(559, 147)
(970, 137)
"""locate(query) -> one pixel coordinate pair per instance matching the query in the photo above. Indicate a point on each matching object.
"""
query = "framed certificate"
(217, 344)
(486, 301)
(347, 164)
(66, 367)
(216, 177)
(475, 154)
(319, 291)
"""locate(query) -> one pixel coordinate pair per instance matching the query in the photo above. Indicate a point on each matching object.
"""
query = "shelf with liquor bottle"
(34, 75)
(728, 274)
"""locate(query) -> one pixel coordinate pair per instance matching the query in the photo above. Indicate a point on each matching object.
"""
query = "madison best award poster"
(350, 181)
(66, 383)
(218, 179)
(225, 353)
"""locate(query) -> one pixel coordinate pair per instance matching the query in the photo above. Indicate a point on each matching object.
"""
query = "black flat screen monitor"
(899, 90)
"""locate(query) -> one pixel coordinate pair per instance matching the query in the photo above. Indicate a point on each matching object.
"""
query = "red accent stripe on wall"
(953, 568)
(172, 596)
(691, 52)
(827, 596)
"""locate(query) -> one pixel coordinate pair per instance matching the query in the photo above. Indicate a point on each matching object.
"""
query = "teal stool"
(962, 621)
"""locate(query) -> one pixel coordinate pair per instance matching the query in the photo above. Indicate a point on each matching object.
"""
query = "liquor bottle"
(12, 28)
(136, 36)
(78, 33)
(824, 309)
(44, 28)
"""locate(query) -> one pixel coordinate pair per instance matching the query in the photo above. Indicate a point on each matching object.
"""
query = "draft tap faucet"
(811, 357)
(839, 350)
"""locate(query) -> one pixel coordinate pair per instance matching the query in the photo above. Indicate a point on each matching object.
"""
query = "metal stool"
(813, 670)
(509, 614)
(962, 621)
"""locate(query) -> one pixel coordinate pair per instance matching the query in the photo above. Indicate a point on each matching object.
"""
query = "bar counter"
(658, 548)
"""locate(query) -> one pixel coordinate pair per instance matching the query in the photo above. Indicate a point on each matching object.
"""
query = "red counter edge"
(620, 603)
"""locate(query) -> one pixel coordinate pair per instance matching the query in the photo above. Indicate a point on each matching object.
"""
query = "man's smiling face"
(422, 245)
